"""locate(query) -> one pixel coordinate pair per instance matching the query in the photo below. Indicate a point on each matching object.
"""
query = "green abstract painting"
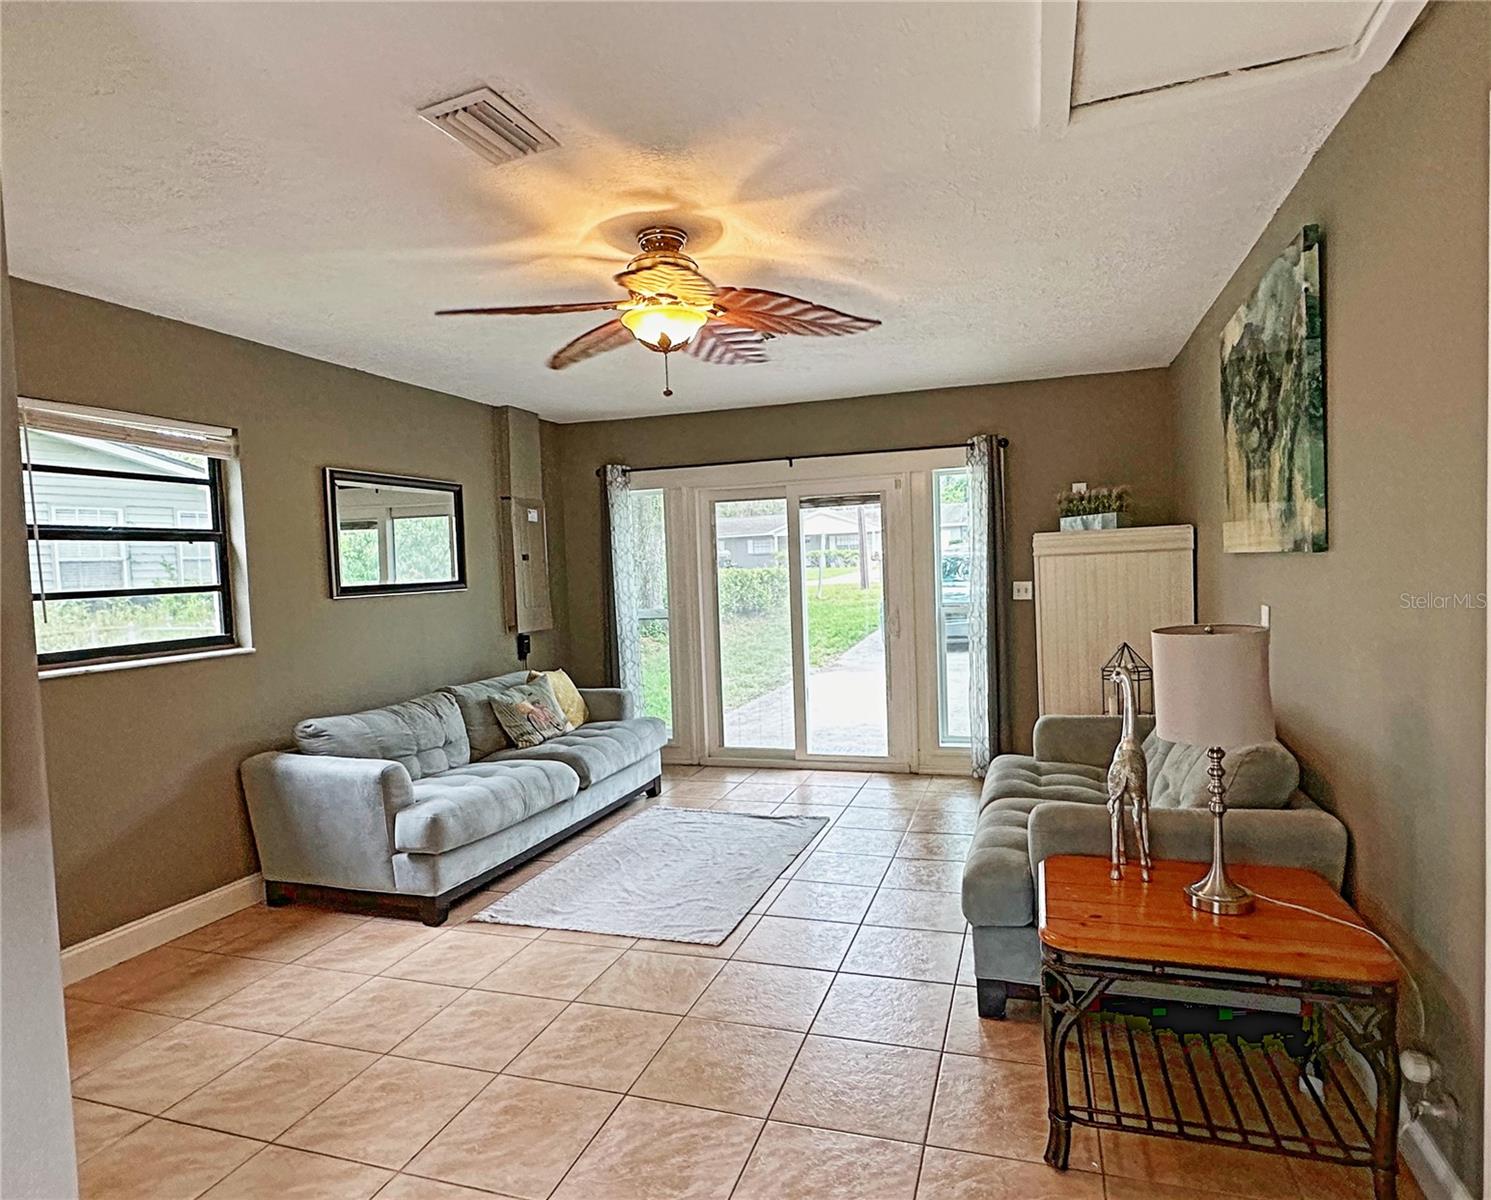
(1273, 409)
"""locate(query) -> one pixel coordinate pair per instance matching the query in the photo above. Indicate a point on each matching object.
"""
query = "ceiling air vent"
(486, 123)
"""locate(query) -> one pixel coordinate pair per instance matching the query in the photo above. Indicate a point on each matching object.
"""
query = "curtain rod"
(789, 459)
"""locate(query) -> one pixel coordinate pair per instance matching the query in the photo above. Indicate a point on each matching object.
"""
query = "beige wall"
(1098, 428)
(143, 763)
(1386, 704)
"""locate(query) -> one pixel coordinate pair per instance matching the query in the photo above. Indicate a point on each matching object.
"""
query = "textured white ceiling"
(259, 169)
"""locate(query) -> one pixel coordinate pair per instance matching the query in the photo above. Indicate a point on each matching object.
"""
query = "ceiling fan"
(671, 306)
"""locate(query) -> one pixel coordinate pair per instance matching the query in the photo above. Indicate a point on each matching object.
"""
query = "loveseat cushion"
(1261, 776)
(1015, 775)
(426, 734)
(998, 888)
(597, 749)
(469, 803)
(474, 700)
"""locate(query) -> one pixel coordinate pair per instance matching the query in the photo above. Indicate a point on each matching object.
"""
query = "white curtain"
(989, 721)
(626, 629)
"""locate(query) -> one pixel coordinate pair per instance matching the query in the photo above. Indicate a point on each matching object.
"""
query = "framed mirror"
(388, 534)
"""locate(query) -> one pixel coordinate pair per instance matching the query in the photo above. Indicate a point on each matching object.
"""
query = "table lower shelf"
(1123, 1073)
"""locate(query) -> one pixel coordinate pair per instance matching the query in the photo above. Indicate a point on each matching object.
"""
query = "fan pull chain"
(667, 390)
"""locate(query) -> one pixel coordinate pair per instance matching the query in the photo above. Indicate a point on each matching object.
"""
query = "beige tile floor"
(829, 1049)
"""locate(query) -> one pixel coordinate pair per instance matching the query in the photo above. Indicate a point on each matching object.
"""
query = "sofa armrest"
(609, 704)
(324, 819)
(1277, 837)
(1082, 739)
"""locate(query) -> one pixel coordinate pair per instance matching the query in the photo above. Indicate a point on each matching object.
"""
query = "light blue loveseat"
(405, 809)
(1055, 802)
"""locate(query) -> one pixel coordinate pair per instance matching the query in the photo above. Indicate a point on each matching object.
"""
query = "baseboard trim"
(1431, 1170)
(97, 953)
(1417, 1149)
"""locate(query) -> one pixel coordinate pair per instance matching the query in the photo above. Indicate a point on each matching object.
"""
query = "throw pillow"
(529, 714)
(571, 703)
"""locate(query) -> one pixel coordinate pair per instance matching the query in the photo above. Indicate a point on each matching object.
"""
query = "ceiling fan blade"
(669, 279)
(523, 310)
(610, 336)
(776, 312)
(716, 343)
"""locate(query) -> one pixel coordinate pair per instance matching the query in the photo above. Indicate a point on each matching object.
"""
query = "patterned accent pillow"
(530, 714)
(571, 703)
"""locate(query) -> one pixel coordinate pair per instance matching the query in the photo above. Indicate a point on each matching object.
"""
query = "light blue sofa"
(405, 809)
(1055, 802)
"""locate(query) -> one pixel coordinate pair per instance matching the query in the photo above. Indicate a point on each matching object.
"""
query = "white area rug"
(673, 874)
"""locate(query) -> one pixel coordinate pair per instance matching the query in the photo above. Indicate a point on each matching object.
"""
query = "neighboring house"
(147, 504)
(762, 541)
(953, 529)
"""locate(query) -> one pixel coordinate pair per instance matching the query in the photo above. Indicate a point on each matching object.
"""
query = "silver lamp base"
(1218, 895)
(1215, 893)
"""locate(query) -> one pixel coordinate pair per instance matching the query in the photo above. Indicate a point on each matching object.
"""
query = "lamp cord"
(1413, 987)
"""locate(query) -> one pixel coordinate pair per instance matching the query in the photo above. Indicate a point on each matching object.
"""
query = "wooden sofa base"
(433, 910)
(994, 994)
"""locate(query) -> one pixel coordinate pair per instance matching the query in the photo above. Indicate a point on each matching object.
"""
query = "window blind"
(159, 433)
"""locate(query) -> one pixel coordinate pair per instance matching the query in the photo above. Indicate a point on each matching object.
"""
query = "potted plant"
(1096, 508)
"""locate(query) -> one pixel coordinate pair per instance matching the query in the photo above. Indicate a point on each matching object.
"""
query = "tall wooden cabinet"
(1096, 589)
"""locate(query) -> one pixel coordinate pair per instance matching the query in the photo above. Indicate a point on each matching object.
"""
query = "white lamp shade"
(1211, 685)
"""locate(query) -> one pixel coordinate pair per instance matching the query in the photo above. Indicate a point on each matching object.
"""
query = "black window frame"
(36, 533)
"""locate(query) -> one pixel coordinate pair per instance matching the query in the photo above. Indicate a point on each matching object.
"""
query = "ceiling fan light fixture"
(664, 325)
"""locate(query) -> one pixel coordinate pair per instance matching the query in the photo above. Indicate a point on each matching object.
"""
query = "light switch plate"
(1265, 613)
(1024, 589)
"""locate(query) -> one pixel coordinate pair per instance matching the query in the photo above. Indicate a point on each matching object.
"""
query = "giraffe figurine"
(1128, 781)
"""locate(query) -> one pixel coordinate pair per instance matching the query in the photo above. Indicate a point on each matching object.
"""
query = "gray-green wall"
(1384, 703)
(143, 764)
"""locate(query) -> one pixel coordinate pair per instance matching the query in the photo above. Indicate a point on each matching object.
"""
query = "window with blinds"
(128, 533)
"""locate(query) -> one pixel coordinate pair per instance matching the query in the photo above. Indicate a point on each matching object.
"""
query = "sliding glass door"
(800, 645)
(846, 667)
(753, 624)
(809, 611)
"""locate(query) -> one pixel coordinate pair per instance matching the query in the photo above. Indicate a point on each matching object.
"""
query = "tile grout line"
(776, 1097)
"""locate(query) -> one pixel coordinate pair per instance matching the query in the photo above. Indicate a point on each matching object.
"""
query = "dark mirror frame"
(341, 591)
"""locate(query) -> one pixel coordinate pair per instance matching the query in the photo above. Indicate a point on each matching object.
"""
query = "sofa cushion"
(1012, 775)
(1262, 776)
(474, 700)
(426, 734)
(598, 749)
(998, 888)
(468, 803)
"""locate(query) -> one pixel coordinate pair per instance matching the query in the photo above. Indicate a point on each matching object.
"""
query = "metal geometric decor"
(1143, 677)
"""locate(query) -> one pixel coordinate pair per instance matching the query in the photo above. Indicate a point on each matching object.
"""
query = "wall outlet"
(1024, 589)
(1264, 613)
(1080, 489)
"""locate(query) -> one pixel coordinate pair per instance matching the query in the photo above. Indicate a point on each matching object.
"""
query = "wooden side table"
(1253, 1087)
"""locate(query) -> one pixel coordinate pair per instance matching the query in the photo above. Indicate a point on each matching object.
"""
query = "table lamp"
(1211, 689)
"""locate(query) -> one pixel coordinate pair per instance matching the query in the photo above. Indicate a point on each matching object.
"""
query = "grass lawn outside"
(757, 650)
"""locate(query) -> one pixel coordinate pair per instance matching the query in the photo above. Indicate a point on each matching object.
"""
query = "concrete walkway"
(846, 706)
